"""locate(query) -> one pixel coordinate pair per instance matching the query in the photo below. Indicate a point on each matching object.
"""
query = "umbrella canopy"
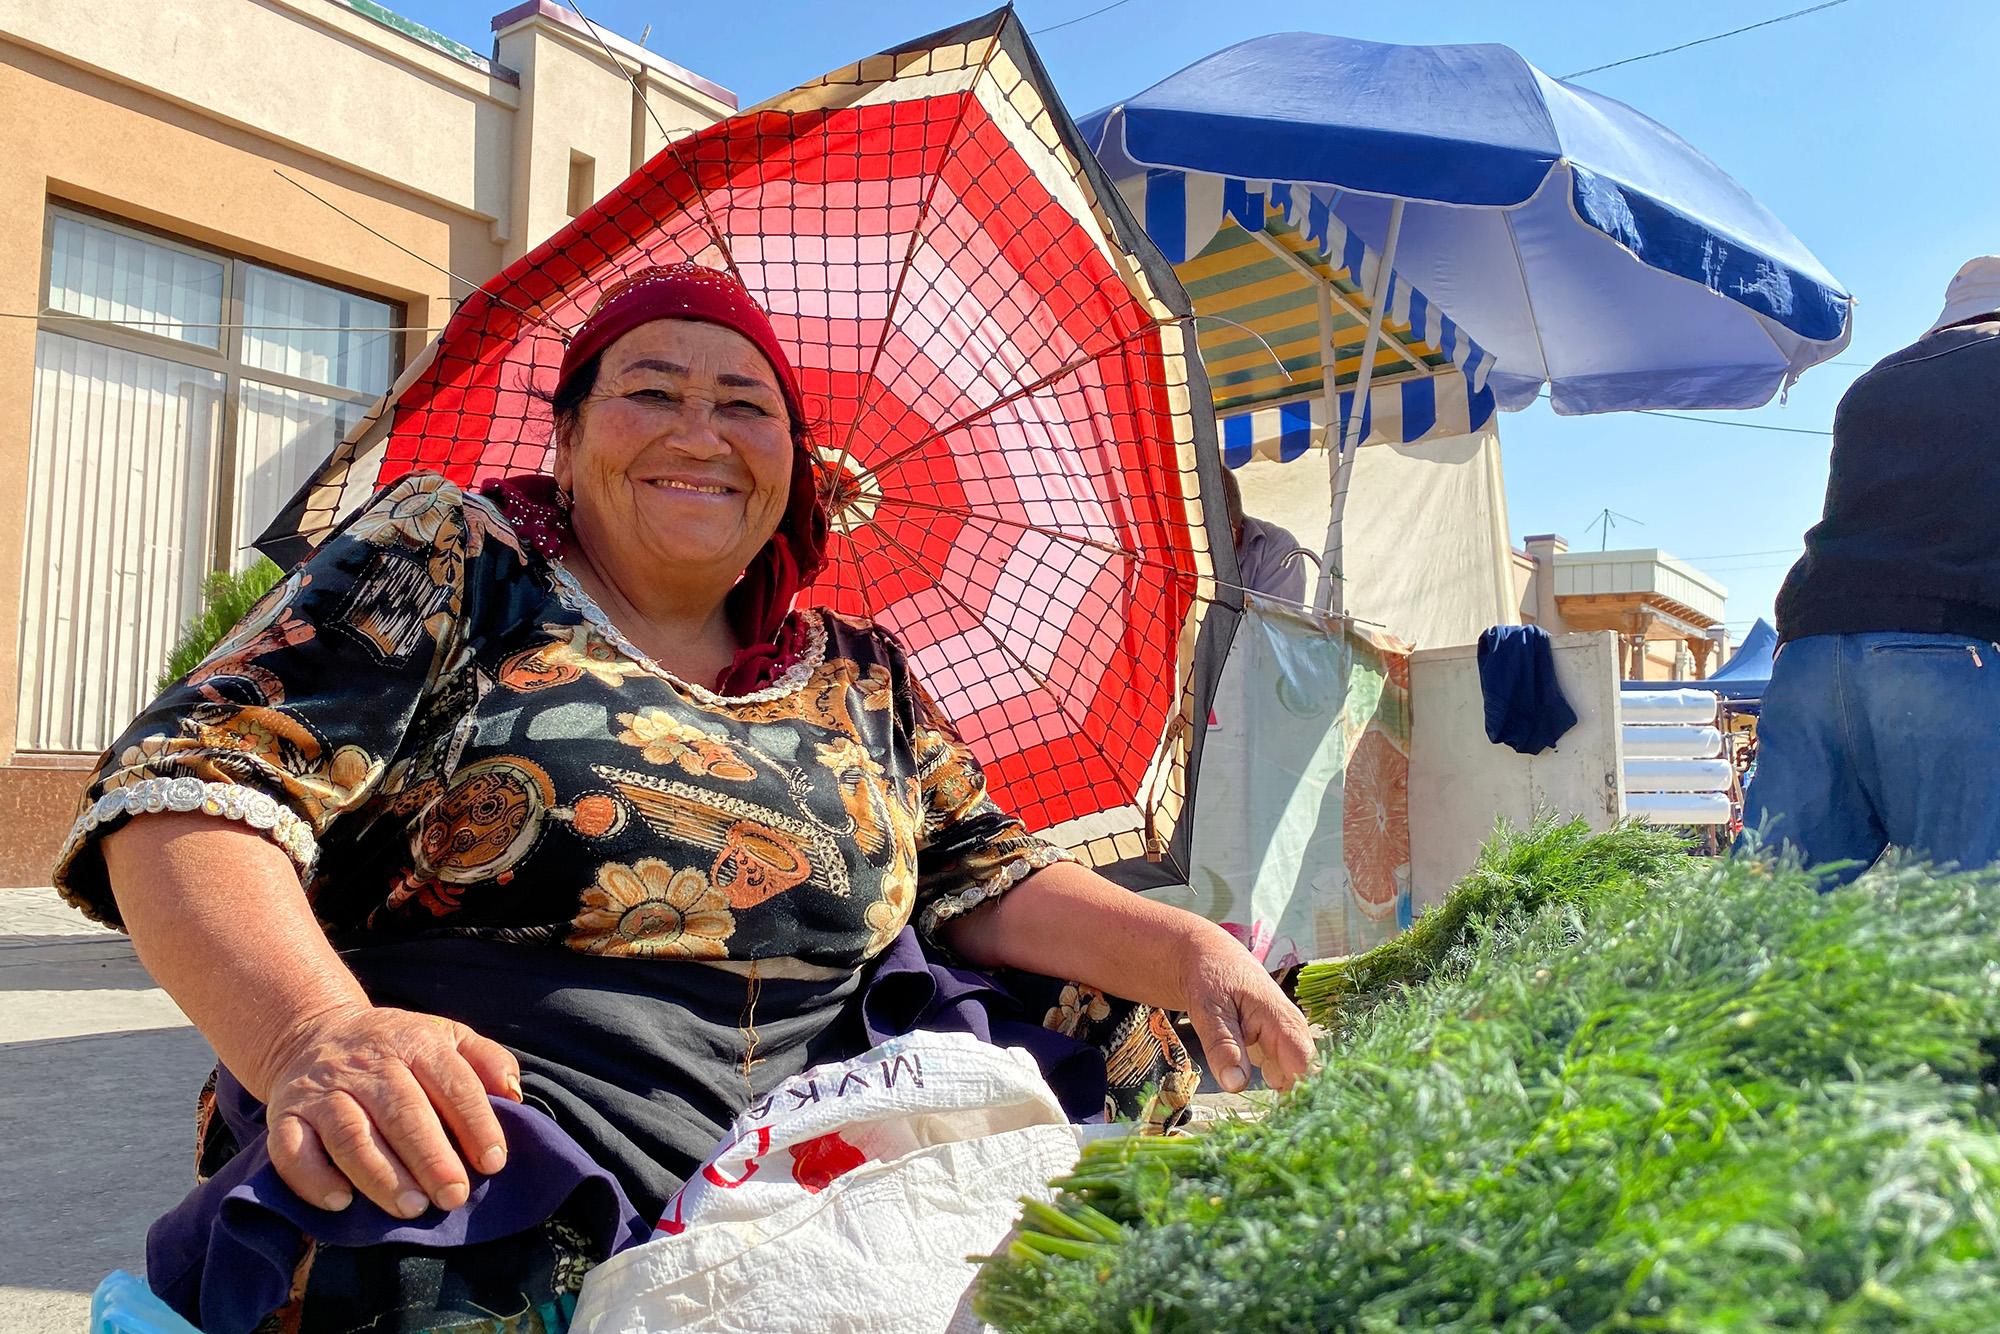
(1283, 291)
(997, 360)
(1584, 245)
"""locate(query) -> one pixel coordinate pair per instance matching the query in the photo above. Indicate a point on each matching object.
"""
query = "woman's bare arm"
(356, 1095)
(1067, 921)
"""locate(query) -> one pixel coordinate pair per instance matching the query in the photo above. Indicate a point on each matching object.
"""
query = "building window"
(182, 396)
(582, 182)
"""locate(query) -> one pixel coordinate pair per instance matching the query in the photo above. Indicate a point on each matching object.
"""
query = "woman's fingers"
(458, 1092)
(303, 1165)
(1242, 1016)
(413, 1127)
(495, 1066)
(1279, 1039)
(379, 1097)
(1221, 1036)
(361, 1151)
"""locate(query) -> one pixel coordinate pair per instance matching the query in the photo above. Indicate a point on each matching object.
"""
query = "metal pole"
(1324, 593)
(1334, 294)
(1332, 594)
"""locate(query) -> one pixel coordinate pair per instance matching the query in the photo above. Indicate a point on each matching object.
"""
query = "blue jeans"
(1874, 740)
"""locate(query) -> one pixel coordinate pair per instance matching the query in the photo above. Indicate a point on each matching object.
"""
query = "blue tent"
(1748, 670)
(1585, 246)
(1742, 680)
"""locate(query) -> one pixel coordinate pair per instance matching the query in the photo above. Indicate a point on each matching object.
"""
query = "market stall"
(1511, 237)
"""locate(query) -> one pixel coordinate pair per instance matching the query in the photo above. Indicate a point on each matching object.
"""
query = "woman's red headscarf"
(760, 605)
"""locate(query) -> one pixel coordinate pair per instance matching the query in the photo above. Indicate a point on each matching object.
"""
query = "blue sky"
(1868, 128)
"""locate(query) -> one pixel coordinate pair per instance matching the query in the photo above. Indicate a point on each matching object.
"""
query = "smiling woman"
(677, 455)
(586, 817)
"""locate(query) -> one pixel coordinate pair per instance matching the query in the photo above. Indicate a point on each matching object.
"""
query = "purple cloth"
(911, 991)
(225, 1256)
(245, 1227)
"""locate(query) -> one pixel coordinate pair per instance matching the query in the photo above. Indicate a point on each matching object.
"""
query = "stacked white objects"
(1675, 772)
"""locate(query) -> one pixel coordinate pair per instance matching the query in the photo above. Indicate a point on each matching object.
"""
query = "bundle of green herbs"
(1721, 1102)
(1519, 872)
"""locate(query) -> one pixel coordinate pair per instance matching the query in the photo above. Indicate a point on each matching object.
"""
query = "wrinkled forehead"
(693, 349)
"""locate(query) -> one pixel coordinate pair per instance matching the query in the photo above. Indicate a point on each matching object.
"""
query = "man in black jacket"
(1881, 724)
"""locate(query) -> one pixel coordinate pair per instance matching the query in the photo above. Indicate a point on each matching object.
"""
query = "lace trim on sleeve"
(232, 801)
(943, 909)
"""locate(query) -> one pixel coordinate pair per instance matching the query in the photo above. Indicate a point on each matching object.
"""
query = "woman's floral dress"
(448, 738)
(446, 735)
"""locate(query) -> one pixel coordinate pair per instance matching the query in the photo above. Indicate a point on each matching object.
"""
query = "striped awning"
(1254, 256)
(1403, 411)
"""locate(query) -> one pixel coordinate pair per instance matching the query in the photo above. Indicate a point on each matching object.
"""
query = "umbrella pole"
(1332, 585)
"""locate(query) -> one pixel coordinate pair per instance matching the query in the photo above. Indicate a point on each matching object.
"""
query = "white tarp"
(1643, 775)
(1427, 554)
(1672, 743)
(1694, 708)
(1678, 807)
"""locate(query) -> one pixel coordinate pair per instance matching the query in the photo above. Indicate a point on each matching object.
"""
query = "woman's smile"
(690, 488)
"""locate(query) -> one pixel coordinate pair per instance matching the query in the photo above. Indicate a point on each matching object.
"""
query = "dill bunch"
(1722, 1101)
(1553, 862)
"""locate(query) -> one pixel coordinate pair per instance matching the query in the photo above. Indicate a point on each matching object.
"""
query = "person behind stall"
(549, 796)
(1264, 560)
(1881, 724)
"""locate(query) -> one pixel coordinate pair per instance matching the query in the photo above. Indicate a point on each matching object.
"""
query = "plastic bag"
(849, 1200)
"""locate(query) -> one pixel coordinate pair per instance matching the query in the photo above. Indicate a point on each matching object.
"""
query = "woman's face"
(680, 460)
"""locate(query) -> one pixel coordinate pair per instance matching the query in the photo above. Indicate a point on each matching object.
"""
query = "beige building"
(1668, 615)
(229, 224)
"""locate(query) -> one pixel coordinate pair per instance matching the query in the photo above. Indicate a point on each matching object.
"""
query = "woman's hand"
(1070, 922)
(1240, 1014)
(364, 1101)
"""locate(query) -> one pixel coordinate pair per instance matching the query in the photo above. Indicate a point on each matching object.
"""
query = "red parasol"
(1007, 399)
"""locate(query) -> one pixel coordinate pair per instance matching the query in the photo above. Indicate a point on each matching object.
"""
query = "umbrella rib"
(1015, 396)
(1528, 298)
(916, 239)
(910, 566)
(1041, 681)
(1001, 644)
(1023, 525)
(1137, 557)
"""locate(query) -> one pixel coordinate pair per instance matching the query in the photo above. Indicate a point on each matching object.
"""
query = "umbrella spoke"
(1078, 731)
(1015, 396)
(966, 99)
(1057, 534)
(1021, 525)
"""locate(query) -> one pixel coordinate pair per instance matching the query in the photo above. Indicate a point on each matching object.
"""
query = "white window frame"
(227, 361)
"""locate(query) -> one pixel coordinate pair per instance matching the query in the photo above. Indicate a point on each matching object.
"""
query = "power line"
(1741, 426)
(1736, 555)
(1703, 41)
(213, 324)
(1037, 32)
(1749, 569)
